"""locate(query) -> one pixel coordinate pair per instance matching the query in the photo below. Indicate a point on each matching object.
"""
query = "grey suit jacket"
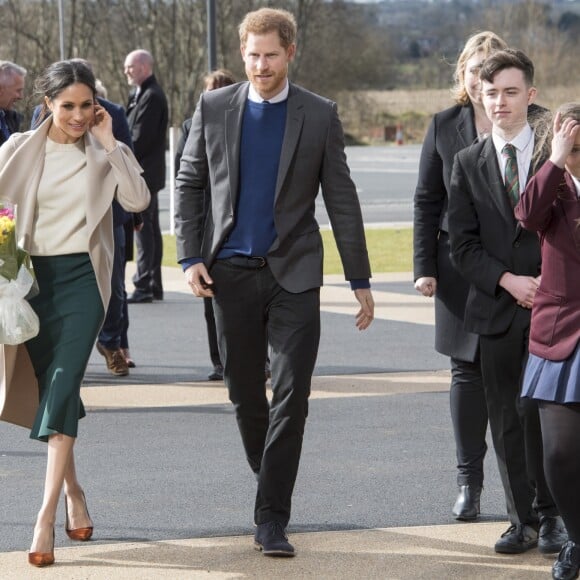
(312, 158)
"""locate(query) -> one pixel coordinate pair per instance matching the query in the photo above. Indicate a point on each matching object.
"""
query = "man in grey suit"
(264, 148)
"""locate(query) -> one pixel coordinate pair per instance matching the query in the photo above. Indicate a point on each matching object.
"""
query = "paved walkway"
(431, 552)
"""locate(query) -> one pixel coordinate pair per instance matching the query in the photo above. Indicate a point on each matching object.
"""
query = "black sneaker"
(567, 566)
(553, 534)
(272, 540)
(518, 538)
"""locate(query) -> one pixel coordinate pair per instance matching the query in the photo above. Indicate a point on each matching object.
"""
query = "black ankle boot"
(567, 565)
(467, 504)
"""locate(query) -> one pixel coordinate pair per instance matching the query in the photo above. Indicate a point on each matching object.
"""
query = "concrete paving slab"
(337, 297)
(431, 552)
(213, 393)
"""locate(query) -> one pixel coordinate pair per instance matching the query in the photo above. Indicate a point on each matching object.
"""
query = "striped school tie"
(511, 178)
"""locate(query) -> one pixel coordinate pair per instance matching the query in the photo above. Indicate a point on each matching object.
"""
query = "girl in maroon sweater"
(551, 206)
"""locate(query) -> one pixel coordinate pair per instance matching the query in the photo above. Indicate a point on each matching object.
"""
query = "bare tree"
(343, 47)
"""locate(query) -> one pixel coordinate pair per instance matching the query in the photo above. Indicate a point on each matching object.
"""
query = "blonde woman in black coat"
(450, 131)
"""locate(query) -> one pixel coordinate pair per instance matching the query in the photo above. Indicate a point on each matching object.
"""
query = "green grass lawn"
(390, 250)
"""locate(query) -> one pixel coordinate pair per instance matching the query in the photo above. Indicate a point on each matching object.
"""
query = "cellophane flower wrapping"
(18, 322)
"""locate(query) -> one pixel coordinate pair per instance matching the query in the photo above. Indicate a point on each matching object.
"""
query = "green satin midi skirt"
(70, 312)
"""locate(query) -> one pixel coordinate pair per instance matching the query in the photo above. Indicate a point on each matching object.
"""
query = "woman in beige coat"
(63, 176)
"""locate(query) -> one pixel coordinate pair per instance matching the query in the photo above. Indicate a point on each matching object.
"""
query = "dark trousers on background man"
(149, 242)
(112, 336)
(251, 309)
(212, 340)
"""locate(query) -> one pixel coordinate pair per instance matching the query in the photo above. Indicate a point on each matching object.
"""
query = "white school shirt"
(524, 144)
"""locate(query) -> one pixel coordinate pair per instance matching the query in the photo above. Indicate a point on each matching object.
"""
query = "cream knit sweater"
(60, 221)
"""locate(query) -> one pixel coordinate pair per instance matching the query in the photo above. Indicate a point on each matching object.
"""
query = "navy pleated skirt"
(556, 381)
(71, 313)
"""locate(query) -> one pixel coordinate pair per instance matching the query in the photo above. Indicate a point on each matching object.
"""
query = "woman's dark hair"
(60, 75)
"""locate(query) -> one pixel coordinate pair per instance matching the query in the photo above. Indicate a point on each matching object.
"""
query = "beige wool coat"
(113, 175)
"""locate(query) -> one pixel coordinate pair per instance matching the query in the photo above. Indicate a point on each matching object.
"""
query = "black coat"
(13, 120)
(450, 131)
(148, 118)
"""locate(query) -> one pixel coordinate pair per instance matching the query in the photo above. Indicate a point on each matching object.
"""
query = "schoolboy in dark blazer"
(501, 261)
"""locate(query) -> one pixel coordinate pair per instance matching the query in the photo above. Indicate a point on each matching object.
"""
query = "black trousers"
(515, 424)
(469, 418)
(149, 250)
(212, 341)
(252, 309)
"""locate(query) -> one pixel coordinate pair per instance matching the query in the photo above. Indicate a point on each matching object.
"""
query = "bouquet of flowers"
(18, 322)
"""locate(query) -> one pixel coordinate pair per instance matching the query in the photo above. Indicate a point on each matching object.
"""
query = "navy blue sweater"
(254, 230)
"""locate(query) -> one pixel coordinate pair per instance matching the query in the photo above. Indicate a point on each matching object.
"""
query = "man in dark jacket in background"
(11, 90)
(147, 114)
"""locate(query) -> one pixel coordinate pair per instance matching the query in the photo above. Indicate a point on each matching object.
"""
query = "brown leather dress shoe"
(128, 359)
(115, 360)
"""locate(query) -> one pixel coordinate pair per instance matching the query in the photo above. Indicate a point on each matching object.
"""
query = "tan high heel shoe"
(42, 559)
(78, 534)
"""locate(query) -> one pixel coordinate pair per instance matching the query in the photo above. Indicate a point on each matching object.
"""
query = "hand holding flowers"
(8, 257)
(18, 322)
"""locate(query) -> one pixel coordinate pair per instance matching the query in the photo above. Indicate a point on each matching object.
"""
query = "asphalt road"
(385, 177)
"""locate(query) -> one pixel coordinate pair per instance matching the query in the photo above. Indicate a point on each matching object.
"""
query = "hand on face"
(566, 135)
(102, 128)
